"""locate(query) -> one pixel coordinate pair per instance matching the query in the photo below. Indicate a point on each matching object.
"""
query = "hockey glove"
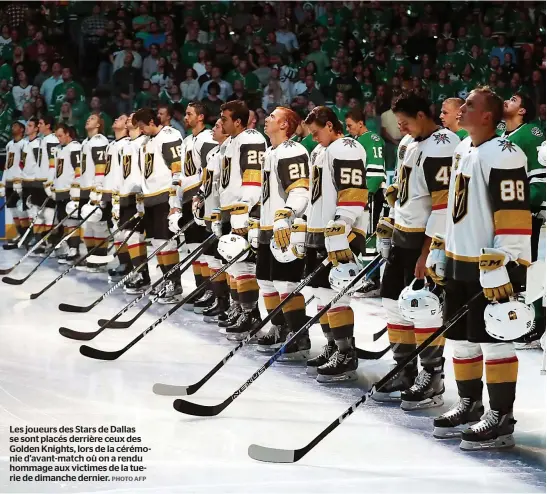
(391, 194)
(92, 208)
(197, 208)
(174, 219)
(216, 223)
(2, 190)
(140, 205)
(282, 227)
(337, 242)
(48, 190)
(436, 260)
(298, 238)
(239, 219)
(115, 208)
(18, 188)
(493, 274)
(174, 198)
(384, 232)
(252, 236)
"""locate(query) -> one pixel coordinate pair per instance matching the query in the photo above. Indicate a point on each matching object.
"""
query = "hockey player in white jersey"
(161, 168)
(207, 200)
(93, 169)
(66, 189)
(11, 184)
(44, 176)
(419, 216)
(283, 202)
(336, 226)
(195, 147)
(128, 188)
(239, 194)
(30, 159)
(109, 195)
(487, 249)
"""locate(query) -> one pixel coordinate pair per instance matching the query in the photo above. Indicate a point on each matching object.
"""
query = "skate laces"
(458, 408)
(488, 420)
(423, 380)
(337, 358)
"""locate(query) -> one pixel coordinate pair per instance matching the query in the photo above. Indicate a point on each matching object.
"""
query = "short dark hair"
(528, 105)
(49, 121)
(320, 115)
(214, 84)
(494, 103)
(200, 108)
(239, 110)
(411, 104)
(167, 107)
(64, 127)
(18, 124)
(356, 114)
(145, 115)
(34, 120)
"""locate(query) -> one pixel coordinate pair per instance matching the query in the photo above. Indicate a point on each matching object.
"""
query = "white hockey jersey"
(423, 178)
(111, 171)
(129, 183)
(67, 171)
(195, 150)
(240, 173)
(48, 148)
(93, 164)
(161, 165)
(285, 183)
(13, 168)
(211, 180)
(338, 189)
(30, 159)
(488, 206)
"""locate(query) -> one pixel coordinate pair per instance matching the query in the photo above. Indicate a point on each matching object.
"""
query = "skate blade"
(236, 336)
(269, 348)
(222, 330)
(381, 397)
(345, 377)
(411, 406)
(199, 310)
(210, 319)
(451, 432)
(502, 442)
(187, 307)
(299, 356)
(169, 301)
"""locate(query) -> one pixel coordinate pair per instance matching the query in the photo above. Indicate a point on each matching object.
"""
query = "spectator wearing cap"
(189, 88)
(126, 81)
(60, 90)
(225, 87)
(21, 92)
(49, 85)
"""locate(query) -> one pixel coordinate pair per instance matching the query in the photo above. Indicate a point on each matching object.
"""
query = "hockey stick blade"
(172, 390)
(6, 271)
(273, 455)
(376, 336)
(198, 410)
(368, 355)
(125, 324)
(93, 353)
(74, 308)
(77, 335)
(13, 281)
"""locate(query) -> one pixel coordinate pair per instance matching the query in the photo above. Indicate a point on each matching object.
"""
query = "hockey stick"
(111, 323)
(376, 336)
(13, 281)
(29, 229)
(369, 355)
(79, 261)
(171, 390)
(276, 455)
(6, 203)
(87, 351)
(35, 246)
(190, 408)
(78, 308)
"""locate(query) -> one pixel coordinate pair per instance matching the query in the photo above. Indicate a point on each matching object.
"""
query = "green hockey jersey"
(375, 166)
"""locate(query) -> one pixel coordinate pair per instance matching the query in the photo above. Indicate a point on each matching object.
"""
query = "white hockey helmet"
(284, 255)
(507, 321)
(341, 275)
(421, 304)
(231, 245)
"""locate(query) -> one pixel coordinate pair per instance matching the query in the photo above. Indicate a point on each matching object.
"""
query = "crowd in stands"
(71, 58)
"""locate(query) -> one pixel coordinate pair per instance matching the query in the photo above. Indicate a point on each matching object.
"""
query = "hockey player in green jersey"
(518, 114)
(450, 116)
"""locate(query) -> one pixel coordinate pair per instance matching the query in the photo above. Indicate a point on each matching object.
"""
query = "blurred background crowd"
(71, 58)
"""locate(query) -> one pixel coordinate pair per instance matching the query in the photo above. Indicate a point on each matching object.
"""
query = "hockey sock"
(432, 355)
(247, 291)
(166, 260)
(90, 243)
(400, 331)
(341, 322)
(16, 221)
(196, 268)
(137, 253)
(205, 271)
(324, 322)
(271, 301)
(123, 254)
(501, 374)
(233, 289)
(294, 311)
(467, 361)
(220, 285)
(74, 240)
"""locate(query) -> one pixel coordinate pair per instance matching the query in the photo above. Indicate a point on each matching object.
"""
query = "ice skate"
(321, 359)
(341, 367)
(427, 390)
(494, 431)
(464, 413)
(391, 391)
(212, 313)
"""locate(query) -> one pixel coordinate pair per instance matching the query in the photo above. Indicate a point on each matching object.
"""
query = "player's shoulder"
(99, 140)
(371, 138)
(501, 153)
(531, 129)
(251, 136)
(290, 148)
(345, 145)
(442, 141)
(169, 134)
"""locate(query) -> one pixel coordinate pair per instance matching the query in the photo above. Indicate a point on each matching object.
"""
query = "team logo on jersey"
(11, 159)
(441, 138)
(252, 131)
(461, 197)
(189, 167)
(457, 159)
(148, 164)
(126, 165)
(108, 164)
(225, 171)
(402, 151)
(537, 132)
(207, 183)
(59, 167)
(404, 180)
(375, 137)
(265, 186)
(289, 143)
(352, 143)
(36, 152)
(84, 163)
(23, 160)
(316, 176)
(507, 146)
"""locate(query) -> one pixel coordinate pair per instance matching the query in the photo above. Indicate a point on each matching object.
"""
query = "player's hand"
(419, 270)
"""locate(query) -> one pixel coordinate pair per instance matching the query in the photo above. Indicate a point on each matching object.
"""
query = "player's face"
(92, 123)
(353, 127)
(449, 114)
(63, 138)
(129, 122)
(191, 118)
(120, 123)
(273, 122)
(218, 134)
(41, 126)
(321, 135)
(228, 126)
(146, 129)
(408, 125)
(511, 106)
(31, 128)
(163, 115)
(472, 112)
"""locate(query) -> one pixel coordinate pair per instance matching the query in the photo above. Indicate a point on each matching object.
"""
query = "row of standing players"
(227, 180)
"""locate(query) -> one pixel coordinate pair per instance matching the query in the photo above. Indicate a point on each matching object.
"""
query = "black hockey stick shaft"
(207, 411)
(290, 456)
(35, 246)
(29, 229)
(168, 390)
(13, 281)
(376, 336)
(138, 269)
(86, 336)
(6, 202)
(104, 355)
(79, 261)
(370, 355)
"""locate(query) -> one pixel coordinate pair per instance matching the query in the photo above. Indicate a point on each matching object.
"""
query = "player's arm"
(436, 173)
(75, 162)
(51, 148)
(172, 153)
(251, 157)
(351, 188)
(99, 158)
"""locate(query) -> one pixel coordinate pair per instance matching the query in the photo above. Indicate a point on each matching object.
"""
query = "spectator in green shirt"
(340, 108)
(79, 107)
(60, 90)
(6, 95)
(251, 82)
(442, 89)
(141, 23)
(189, 51)
(320, 58)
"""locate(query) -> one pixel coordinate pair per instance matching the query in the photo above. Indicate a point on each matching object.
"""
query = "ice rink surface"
(44, 381)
